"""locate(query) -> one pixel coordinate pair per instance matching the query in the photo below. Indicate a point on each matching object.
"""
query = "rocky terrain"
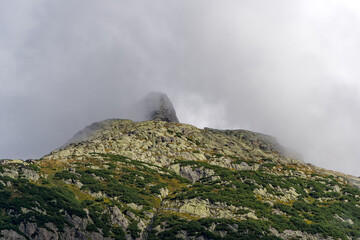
(119, 179)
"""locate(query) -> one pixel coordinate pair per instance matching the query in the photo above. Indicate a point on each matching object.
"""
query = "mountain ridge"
(120, 179)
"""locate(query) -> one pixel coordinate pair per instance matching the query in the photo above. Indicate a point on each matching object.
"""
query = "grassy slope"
(123, 181)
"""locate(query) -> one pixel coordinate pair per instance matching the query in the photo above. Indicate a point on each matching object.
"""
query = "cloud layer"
(285, 68)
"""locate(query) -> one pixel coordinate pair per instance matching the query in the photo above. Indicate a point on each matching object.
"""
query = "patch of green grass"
(133, 229)
(249, 229)
(156, 189)
(65, 174)
(34, 167)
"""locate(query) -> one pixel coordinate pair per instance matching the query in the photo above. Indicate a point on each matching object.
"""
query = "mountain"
(120, 179)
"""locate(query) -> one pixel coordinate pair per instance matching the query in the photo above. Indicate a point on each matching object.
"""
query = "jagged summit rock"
(159, 107)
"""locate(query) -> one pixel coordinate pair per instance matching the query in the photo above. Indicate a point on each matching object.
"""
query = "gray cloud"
(285, 68)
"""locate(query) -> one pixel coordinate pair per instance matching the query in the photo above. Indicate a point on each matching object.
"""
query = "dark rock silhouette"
(159, 107)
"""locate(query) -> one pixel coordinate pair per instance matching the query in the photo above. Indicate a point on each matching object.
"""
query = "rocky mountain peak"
(123, 179)
(159, 107)
(120, 179)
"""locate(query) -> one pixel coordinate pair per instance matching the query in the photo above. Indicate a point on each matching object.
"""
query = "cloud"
(285, 68)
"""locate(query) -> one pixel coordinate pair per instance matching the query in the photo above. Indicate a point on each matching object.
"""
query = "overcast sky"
(285, 68)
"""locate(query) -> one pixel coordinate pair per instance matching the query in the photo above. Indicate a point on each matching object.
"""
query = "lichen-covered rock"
(118, 218)
(193, 174)
(10, 172)
(164, 192)
(205, 209)
(291, 234)
(30, 174)
(283, 195)
(11, 235)
(196, 207)
(28, 228)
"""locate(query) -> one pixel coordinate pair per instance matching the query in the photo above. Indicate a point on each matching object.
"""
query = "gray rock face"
(190, 173)
(118, 218)
(159, 107)
(11, 235)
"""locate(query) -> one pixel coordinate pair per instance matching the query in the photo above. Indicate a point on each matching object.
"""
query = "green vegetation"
(119, 233)
(315, 217)
(244, 230)
(65, 174)
(218, 155)
(156, 189)
(50, 200)
(268, 165)
(34, 167)
(134, 230)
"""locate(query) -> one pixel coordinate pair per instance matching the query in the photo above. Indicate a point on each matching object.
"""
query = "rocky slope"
(119, 179)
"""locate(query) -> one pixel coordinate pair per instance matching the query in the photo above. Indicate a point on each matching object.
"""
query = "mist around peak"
(157, 106)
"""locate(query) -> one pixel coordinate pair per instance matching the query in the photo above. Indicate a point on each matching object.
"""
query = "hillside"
(120, 179)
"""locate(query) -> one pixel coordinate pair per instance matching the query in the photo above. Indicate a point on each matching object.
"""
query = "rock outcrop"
(155, 106)
(159, 107)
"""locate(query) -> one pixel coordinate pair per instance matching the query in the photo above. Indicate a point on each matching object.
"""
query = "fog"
(284, 68)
